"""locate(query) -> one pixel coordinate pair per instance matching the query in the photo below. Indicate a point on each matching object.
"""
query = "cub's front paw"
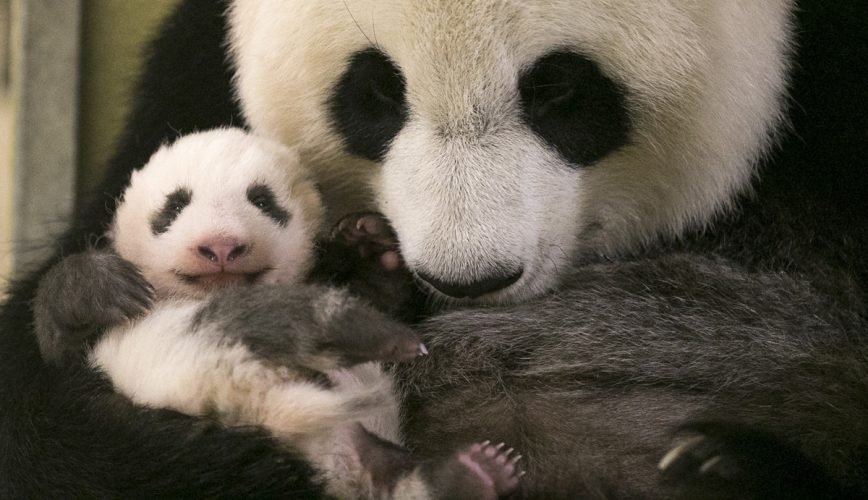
(81, 296)
(354, 332)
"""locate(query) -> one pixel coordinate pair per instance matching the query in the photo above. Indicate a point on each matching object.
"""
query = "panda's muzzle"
(474, 289)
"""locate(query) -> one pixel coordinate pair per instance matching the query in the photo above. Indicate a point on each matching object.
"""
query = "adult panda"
(584, 170)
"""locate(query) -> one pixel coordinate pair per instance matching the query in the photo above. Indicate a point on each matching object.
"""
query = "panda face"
(505, 139)
(215, 209)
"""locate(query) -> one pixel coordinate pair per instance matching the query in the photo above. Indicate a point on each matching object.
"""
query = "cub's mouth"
(221, 278)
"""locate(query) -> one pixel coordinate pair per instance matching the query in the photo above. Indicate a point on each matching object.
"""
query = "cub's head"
(506, 139)
(218, 208)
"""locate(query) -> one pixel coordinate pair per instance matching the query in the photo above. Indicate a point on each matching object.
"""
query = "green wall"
(113, 35)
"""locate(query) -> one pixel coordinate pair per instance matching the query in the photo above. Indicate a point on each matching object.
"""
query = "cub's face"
(506, 139)
(215, 209)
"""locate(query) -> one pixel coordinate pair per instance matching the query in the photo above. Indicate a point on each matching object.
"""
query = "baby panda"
(222, 225)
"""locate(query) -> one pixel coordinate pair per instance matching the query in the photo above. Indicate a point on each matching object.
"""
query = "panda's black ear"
(175, 203)
(569, 102)
(368, 106)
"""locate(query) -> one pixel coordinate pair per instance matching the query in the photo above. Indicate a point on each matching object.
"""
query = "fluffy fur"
(219, 168)
(704, 86)
(591, 379)
(296, 359)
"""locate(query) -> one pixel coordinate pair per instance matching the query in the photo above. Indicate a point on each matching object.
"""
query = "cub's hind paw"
(496, 467)
(481, 470)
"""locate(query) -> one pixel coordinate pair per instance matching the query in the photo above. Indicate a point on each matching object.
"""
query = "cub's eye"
(262, 197)
(175, 203)
(368, 106)
(579, 111)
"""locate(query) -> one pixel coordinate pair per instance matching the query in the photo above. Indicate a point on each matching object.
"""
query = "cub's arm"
(83, 295)
(256, 355)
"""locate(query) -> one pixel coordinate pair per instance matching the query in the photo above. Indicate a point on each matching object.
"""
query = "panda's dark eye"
(175, 203)
(568, 101)
(367, 106)
(262, 197)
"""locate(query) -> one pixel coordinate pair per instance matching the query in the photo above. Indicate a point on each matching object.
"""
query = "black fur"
(759, 322)
(367, 105)
(175, 203)
(262, 197)
(744, 462)
(573, 106)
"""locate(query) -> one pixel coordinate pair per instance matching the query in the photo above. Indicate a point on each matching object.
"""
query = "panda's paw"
(84, 294)
(372, 236)
(698, 456)
(731, 460)
(481, 470)
(360, 333)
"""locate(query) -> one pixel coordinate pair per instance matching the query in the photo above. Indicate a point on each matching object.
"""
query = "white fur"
(705, 82)
(162, 362)
(165, 360)
(218, 167)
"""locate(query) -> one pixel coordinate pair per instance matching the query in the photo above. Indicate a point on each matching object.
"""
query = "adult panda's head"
(505, 138)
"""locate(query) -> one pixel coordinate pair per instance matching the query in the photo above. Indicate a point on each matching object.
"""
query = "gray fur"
(592, 382)
(312, 326)
(81, 296)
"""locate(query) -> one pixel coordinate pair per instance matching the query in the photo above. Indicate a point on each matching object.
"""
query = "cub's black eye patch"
(367, 106)
(568, 101)
(175, 203)
(262, 197)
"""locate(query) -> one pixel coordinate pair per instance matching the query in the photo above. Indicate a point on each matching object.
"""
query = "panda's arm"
(81, 296)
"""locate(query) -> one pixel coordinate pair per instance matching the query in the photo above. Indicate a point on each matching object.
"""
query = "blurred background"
(66, 71)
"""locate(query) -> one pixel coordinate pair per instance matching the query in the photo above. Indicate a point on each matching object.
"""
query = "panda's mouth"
(222, 278)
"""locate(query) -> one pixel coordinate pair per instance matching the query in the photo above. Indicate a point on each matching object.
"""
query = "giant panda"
(644, 221)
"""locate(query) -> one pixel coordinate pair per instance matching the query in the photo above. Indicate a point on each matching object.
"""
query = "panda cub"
(223, 208)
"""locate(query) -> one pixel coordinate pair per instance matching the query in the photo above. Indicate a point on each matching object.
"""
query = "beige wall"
(6, 118)
(113, 34)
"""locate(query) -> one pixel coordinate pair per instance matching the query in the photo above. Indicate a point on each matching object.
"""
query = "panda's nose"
(222, 251)
(474, 289)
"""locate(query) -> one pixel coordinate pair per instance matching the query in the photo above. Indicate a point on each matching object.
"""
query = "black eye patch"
(175, 203)
(568, 101)
(368, 106)
(262, 197)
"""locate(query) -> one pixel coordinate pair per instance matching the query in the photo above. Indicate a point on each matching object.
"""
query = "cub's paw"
(358, 333)
(372, 236)
(84, 294)
(481, 470)
(727, 460)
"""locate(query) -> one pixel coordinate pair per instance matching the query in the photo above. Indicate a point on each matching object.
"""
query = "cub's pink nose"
(222, 251)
